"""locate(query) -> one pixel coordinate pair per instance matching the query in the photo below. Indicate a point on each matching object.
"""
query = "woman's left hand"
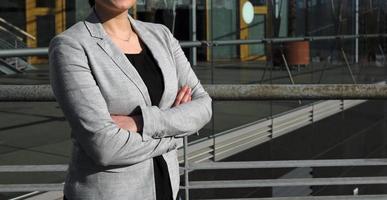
(131, 123)
(183, 96)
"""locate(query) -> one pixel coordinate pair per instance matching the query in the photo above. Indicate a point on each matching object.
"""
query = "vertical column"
(245, 53)
(60, 16)
(306, 13)
(244, 33)
(193, 31)
(357, 31)
(186, 168)
(208, 27)
(33, 12)
(292, 18)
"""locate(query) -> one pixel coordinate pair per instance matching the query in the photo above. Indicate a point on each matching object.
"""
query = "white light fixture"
(248, 12)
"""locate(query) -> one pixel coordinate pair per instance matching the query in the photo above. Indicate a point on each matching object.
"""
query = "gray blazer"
(91, 79)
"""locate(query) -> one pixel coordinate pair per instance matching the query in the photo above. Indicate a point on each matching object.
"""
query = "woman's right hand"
(183, 96)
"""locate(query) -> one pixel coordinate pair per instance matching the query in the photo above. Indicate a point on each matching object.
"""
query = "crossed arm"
(135, 123)
(86, 110)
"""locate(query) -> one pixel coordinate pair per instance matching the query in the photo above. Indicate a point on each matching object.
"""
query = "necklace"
(126, 40)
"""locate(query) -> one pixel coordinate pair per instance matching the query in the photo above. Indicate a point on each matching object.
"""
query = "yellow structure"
(244, 32)
(32, 12)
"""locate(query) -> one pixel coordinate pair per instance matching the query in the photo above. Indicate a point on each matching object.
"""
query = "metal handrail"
(17, 29)
(236, 92)
(226, 183)
(10, 32)
(344, 197)
(30, 187)
(287, 182)
(371, 91)
(33, 168)
(227, 165)
(287, 164)
(43, 51)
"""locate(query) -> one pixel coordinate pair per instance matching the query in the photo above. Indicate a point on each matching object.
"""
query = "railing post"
(186, 165)
(348, 65)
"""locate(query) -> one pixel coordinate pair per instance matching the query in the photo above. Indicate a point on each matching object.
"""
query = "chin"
(123, 4)
(118, 5)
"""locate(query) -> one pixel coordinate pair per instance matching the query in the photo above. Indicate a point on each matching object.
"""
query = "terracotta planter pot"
(297, 53)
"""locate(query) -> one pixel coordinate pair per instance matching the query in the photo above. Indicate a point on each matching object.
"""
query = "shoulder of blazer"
(77, 31)
(76, 34)
(90, 29)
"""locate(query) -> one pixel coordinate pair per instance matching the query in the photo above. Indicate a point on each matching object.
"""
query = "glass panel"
(312, 50)
(45, 3)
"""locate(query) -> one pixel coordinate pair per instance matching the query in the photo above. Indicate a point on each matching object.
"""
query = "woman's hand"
(132, 123)
(183, 96)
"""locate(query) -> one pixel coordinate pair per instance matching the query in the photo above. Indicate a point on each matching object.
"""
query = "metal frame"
(230, 142)
(362, 197)
(232, 183)
(233, 92)
(20, 31)
(43, 51)
(200, 154)
(233, 141)
(194, 44)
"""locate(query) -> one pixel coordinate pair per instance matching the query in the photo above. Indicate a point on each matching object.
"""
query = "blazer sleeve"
(186, 118)
(86, 110)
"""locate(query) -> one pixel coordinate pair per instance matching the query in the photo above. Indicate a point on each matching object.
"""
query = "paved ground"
(37, 133)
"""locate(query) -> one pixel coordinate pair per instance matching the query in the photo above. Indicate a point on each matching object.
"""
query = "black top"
(152, 76)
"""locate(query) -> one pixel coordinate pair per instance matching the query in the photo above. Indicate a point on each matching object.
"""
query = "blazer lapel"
(118, 57)
(96, 30)
(160, 56)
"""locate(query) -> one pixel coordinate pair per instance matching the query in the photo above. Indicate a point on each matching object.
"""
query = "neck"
(116, 22)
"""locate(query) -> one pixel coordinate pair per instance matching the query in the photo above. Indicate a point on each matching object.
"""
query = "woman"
(129, 95)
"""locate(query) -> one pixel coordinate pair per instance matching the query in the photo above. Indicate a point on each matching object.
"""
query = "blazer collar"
(96, 30)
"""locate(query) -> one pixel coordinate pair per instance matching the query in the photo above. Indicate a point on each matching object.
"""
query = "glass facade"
(291, 42)
(216, 20)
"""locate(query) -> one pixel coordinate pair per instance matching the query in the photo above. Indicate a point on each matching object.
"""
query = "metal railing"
(228, 183)
(12, 38)
(5, 53)
(287, 182)
(43, 51)
(232, 92)
(235, 92)
(17, 29)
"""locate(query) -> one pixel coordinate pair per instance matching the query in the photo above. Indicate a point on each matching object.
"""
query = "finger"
(180, 95)
(186, 96)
